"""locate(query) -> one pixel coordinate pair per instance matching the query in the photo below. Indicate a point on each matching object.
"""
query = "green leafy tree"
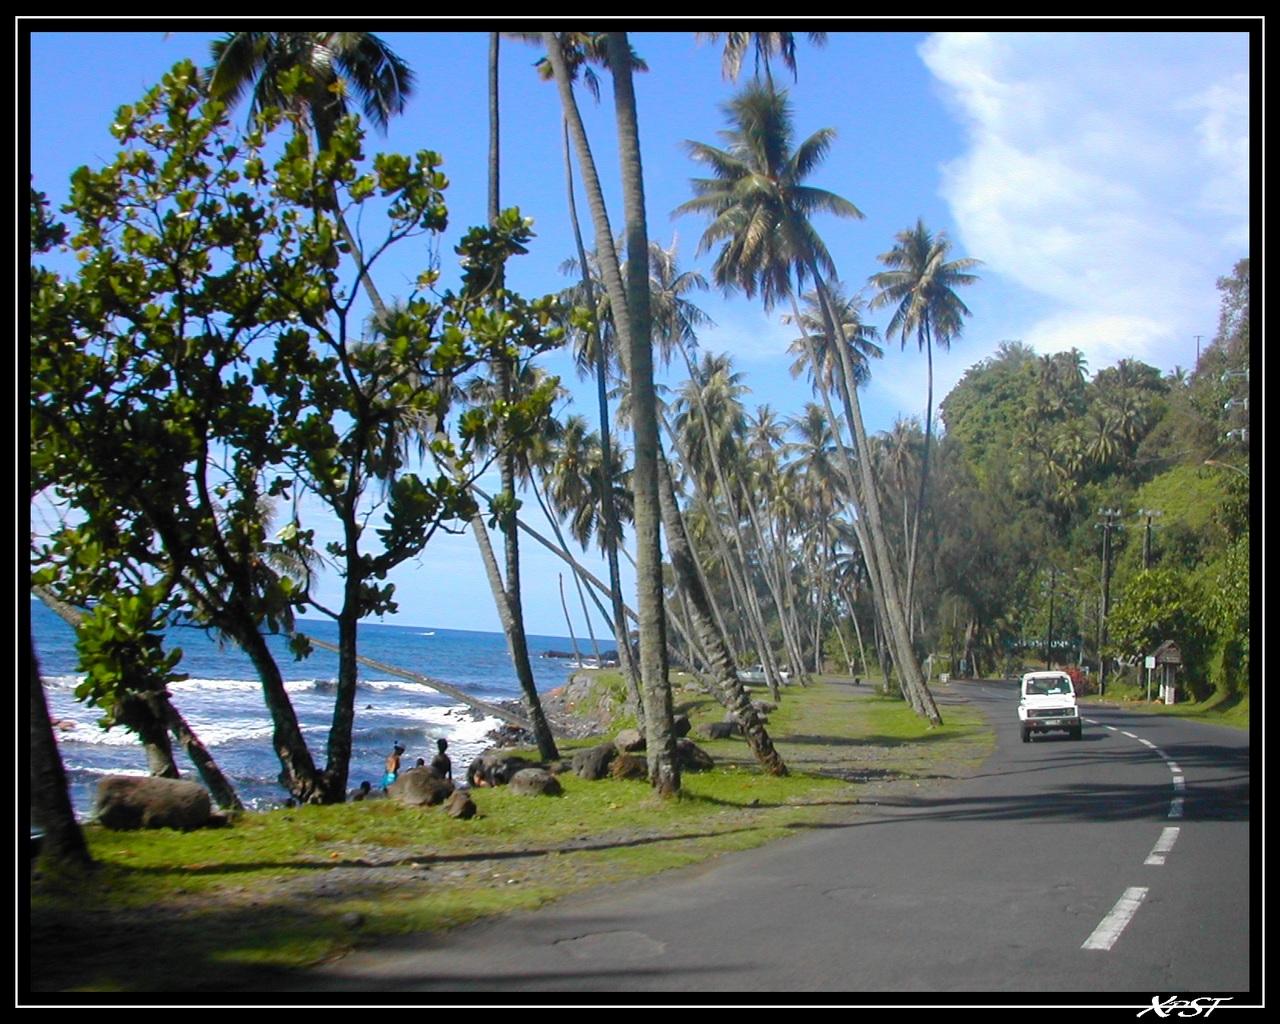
(1157, 605)
(205, 363)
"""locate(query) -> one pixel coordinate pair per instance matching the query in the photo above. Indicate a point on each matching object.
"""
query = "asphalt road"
(1107, 871)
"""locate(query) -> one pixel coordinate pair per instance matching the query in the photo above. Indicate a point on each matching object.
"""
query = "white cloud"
(1107, 174)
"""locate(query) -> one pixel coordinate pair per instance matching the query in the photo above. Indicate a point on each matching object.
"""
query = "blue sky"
(1102, 177)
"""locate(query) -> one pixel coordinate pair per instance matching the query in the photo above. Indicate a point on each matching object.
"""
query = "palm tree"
(760, 209)
(337, 65)
(51, 810)
(631, 315)
(848, 311)
(920, 284)
(764, 45)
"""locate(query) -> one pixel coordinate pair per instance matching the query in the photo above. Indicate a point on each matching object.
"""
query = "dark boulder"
(593, 764)
(628, 766)
(126, 802)
(494, 769)
(535, 782)
(692, 758)
(460, 805)
(420, 787)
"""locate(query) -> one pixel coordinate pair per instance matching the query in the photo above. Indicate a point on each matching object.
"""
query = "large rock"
(460, 805)
(593, 764)
(535, 782)
(629, 741)
(691, 757)
(718, 730)
(126, 802)
(420, 787)
(494, 769)
(628, 766)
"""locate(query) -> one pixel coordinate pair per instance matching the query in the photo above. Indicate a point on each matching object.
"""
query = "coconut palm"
(920, 286)
(861, 335)
(764, 45)
(760, 209)
(338, 66)
(629, 301)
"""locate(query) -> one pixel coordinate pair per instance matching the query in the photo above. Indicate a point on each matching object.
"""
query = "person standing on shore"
(441, 765)
(392, 766)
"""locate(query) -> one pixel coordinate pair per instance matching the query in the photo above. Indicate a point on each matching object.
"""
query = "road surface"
(1106, 871)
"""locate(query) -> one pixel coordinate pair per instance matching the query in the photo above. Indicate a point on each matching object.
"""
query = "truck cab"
(1048, 704)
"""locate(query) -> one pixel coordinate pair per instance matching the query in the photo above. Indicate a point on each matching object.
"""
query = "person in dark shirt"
(440, 764)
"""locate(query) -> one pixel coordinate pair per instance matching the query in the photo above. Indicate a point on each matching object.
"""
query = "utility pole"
(1148, 514)
(1110, 521)
(1048, 643)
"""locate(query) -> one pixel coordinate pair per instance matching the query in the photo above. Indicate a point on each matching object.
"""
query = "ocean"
(222, 702)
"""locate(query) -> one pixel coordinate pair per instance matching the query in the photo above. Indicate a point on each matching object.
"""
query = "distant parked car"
(756, 674)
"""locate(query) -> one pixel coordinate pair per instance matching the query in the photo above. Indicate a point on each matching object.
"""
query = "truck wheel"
(1026, 735)
(1076, 732)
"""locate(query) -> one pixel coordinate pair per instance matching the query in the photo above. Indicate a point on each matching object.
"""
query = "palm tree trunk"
(573, 639)
(507, 595)
(733, 558)
(905, 656)
(517, 645)
(660, 737)
(664, 770)
(608, 510)
(924, 468)
(733, 695)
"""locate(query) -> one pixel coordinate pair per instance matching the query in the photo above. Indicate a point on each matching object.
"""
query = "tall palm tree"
(920, 286)
(760, 209)
(631, 314)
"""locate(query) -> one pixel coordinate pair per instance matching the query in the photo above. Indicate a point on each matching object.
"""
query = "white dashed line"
(1163, 845)
(1106, 934)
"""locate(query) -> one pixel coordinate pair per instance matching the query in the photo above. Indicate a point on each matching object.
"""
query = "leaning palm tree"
(920, 286)
(862, 336)
(337, 66)
(760, 209)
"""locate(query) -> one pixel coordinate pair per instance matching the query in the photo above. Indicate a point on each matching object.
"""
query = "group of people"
(440, 765)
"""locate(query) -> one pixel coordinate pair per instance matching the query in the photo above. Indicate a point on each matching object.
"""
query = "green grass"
(1220, 709)
(210, 910)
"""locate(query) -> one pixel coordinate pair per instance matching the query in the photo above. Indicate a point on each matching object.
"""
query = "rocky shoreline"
(564, 711)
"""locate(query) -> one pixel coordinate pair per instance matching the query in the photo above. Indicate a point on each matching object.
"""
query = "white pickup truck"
(1048, 704)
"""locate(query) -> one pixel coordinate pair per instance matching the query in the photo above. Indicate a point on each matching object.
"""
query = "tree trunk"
(608, 510)
(664, 771)
(223, 792)
(51, 809)
(892, 601)
(660, 738)
(721, 661)
(298, 773)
